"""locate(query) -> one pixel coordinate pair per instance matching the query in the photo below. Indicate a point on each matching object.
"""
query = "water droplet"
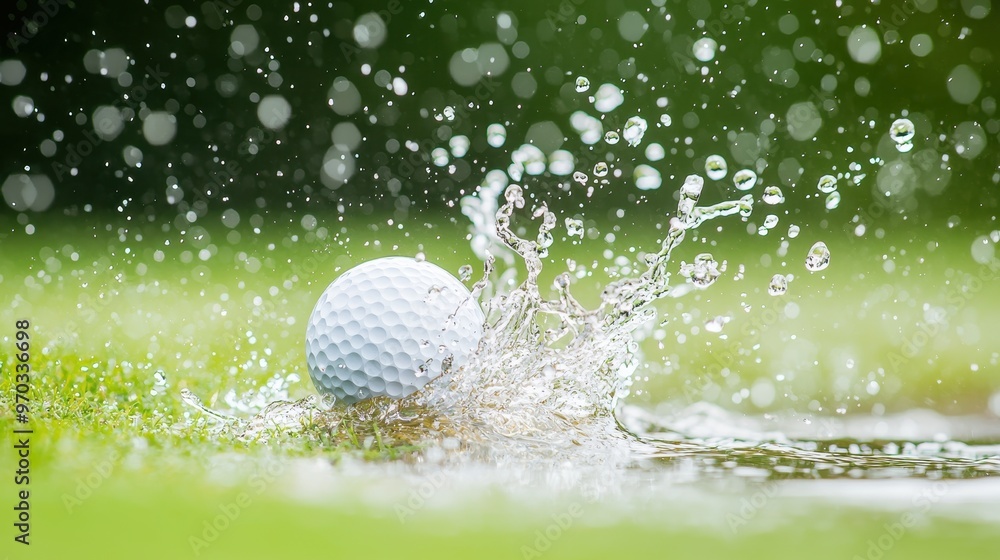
(459, 145)
(647, 178)
(608, 97)
(901, 132)
(772, 195)
(496, 135)
(574, 227)
(793, 231)
(770, 221)
(704, 49)
(635, 128)
(983, 251)
(818, 257)
(514, 195)
(702, 272)
(582, 84)
(832, 200)
(449, 113)
(439, 156)
(580, 177)
(746, 205)
(715, 324)
(744, 179)
(689, 194)
(665, 119)
(159, 378)
(465, 272)
(778, 285)
(827, 184)
(600, 169)
(611, 137)
(716, 167)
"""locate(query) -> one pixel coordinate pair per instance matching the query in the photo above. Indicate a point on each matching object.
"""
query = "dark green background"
(423, 38)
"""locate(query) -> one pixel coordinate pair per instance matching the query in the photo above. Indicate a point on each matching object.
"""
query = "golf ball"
(389, 326)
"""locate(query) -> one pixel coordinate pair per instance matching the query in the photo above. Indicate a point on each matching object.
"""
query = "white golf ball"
(389, 326)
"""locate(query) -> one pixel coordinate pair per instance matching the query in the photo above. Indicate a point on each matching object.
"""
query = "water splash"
(550, 370)
(549, 377)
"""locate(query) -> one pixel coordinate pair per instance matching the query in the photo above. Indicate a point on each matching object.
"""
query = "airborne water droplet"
(901, 132)
(716, 167)
(607, 98)
(647, 178)
(827, 184)
(746, 205)
(704, 49)
(600, 169)
(580, 177)
(689, 194)
(582, 84)
(832, 200)
(574, 227)
(715, 324)
(818, 257)
(778, 285)
(770, 221)
(440, 157)
(496, 135)
(611, 137)
(703, 272)
(772, 195)
(465, 272)
(634, 130)
(793, 231)
(514, 195)
(744, 179)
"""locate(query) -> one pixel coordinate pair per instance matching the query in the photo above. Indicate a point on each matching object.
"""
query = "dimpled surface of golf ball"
(389, 326)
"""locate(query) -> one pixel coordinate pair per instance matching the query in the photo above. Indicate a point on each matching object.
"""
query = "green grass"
(104, 324)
